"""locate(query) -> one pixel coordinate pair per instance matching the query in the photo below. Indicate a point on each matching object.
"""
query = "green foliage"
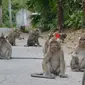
(47, 9)
(73, 14)
(74, 20)
(5, 13)
(0, 2)
(47, 20)
(16, 5)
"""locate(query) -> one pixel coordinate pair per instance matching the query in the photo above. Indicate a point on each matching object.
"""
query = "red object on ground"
(57, 35)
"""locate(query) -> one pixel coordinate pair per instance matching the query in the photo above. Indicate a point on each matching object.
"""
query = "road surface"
(17, 71)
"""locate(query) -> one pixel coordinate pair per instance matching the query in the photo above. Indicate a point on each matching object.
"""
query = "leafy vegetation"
(16, 5)
(48, 17)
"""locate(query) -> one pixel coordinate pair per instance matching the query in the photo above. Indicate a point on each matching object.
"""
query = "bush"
(74, 20)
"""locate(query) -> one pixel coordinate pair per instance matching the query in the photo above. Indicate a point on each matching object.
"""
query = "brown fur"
(33, 38)
(75, 64)
(53, 62)
(46, 43)
(13, 36)
(79, 52)
(63, 36)
(5, 48)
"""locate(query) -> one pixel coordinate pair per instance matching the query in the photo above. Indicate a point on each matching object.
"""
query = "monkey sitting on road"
(53, 63)
(79, 55)
(13, 36)
(75, 63)
(33, 38)
(5, 48)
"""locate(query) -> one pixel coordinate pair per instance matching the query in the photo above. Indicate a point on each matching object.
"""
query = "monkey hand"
(63, 75)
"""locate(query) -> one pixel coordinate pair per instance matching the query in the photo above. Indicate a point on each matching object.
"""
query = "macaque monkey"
(16, 34)
(47, 41)
(5, 48)
(79, 53)
(63, 36)
(75, 64)
(53, 63)
(33, 38)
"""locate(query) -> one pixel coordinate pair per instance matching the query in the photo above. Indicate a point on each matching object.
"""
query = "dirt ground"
(72, 37)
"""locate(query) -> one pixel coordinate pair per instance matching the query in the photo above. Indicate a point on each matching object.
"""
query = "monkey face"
(54, 46)
(75, 59)
(17, 35)
(37, 32)
(82, 41)
(2, 40)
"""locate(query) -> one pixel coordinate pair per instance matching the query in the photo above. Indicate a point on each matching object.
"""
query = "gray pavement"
(17, 71)
(27, 52)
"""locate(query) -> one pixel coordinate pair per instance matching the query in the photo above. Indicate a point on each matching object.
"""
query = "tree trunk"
(10, 13)
(0, 15)
(60, 15)
(83, 3)
(0, 12)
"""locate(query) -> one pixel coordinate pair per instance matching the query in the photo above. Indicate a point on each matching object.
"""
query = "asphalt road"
(17, 71)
